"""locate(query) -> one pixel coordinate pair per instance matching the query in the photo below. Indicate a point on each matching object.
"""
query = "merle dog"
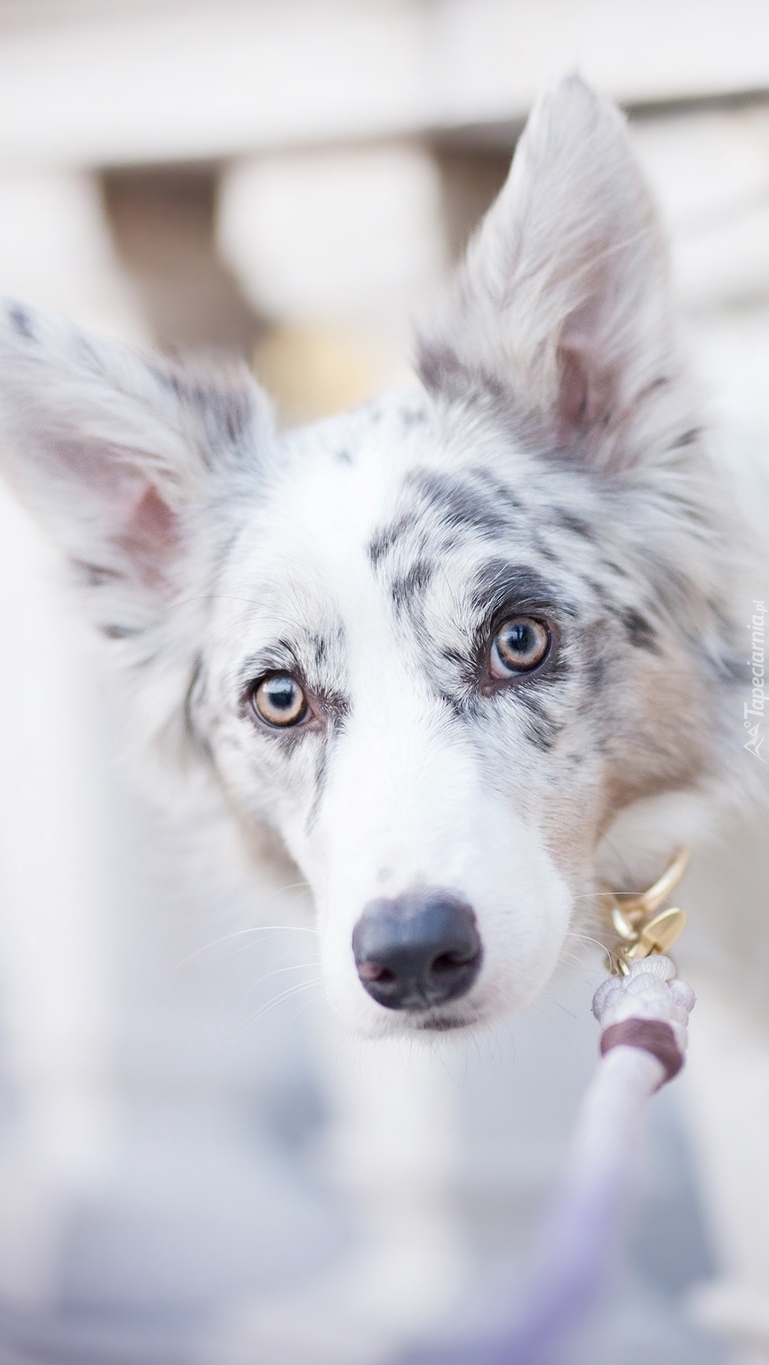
(437, 645)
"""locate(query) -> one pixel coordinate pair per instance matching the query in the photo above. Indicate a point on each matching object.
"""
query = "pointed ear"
(117, 454)
(561, 306)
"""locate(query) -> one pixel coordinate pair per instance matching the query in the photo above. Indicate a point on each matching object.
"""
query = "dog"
(463, 654)
(435, 647)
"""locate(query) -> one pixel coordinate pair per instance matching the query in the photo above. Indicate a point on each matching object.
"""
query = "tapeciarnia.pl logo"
(754, 710)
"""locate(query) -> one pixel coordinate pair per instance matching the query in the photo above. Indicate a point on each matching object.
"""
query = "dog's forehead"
(300, 557)
(343, 475)
(370, 512)
(397, 474)
(332, 485)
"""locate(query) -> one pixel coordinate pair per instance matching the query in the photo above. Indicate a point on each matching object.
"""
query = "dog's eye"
(519, 645)
(279, 700)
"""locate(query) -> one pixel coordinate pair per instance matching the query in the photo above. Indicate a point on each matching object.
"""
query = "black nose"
(417, 950)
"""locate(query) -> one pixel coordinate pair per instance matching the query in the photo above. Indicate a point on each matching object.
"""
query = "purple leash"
(643, 1017)
(643, 1011)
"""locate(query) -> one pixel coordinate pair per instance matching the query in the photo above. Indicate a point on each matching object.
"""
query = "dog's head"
(439, 643)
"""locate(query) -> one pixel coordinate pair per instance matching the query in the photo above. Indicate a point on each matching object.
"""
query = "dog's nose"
(418, 949)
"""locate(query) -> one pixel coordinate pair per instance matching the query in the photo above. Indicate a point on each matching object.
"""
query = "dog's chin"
(422, 1023)
(478, 1013)
(442, 1023)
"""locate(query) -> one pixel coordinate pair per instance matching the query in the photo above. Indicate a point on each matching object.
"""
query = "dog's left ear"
(122, 457)
(561, 307)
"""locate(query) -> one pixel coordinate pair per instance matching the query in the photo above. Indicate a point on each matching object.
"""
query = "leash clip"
(640, 922)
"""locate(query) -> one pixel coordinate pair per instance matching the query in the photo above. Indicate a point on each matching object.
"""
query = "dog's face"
(433, 668)
(439, 643)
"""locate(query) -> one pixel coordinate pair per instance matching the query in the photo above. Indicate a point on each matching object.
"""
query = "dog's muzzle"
(417, 950)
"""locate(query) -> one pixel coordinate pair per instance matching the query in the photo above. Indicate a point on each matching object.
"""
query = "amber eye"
(279, 701)
(519, 645)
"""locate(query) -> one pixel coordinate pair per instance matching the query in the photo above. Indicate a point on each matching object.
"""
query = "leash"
(643, 1010)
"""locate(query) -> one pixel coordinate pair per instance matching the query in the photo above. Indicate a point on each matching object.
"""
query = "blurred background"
(196, 1166)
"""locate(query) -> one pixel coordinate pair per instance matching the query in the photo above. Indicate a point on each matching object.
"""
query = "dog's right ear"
(118, 455)
(560, 312)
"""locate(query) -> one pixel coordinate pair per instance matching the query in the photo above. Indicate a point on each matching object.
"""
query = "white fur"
(557, 432)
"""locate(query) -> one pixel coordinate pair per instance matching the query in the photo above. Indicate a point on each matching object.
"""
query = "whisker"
(305, 1005)
(257, 943)
(586, 938)
(290, 991)
(272, 929)
(559, 1005)
(594, 895)
(278, 971)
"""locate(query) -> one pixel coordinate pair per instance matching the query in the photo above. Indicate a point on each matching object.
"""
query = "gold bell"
(642, 926)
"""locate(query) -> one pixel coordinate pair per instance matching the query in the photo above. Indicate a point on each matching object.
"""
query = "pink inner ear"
(583, 393)
(150, 535)
(572, 393)
(122, 507)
